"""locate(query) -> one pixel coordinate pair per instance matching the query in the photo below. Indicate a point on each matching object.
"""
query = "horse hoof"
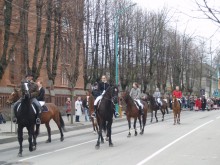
(141, 133)
(111, 145)
(129, 136)
(102, 141)
(19, 154)
(97, 147)
(106, 138)
(162, 119)
(48, 141)
(157, 121)
(135, 134)
(62, 139)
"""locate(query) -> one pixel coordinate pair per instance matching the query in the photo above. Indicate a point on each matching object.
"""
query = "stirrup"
(117, 114)
(93, 115)
(14, 120)
(38, 121)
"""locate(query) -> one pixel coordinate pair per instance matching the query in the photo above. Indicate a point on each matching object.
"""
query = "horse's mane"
(107, 91)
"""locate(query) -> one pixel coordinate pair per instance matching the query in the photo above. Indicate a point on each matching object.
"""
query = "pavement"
(8, 130)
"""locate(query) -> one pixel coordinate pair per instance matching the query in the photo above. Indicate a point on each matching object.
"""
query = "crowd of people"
(198, 103)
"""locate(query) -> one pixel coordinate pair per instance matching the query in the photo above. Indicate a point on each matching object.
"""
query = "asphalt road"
(195, 141)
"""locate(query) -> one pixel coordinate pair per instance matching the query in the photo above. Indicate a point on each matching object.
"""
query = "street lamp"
(118, 13)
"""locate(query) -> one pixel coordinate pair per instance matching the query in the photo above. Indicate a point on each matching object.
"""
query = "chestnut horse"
(132, 111)
(176, 110)
(52, 113)
(91, 110)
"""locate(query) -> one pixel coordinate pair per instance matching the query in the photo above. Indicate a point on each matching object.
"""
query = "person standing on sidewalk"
(78, 109)
(86, 107)
(68, 108)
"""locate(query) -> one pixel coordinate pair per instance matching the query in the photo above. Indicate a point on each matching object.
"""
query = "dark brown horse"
(53, 113)
(154, 107)
(104, 114)
(176, 110)
(132, 111)
(91, 110)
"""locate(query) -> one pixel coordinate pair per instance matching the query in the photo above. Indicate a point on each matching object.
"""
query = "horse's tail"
(62, 124)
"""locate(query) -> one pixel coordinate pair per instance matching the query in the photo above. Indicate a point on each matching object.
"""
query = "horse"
(26, 117)
(155, 107)
(91, 110)
(132, 111)
(52, 113)
(104, 114)
(176, 110)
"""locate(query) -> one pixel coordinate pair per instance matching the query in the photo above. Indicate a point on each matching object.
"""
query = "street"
(195, 141)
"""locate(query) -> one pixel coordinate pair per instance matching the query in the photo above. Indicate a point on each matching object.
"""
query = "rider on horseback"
(102, 87)
(135, 95)
(178, 94)
(157, 97)
(34, 91)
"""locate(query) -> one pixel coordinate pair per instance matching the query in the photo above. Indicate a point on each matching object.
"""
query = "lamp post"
(118, 13)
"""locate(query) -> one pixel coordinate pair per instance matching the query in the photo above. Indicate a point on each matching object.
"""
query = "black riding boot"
(141, 110)
(38, 121)
(94, 113)
(116, 114)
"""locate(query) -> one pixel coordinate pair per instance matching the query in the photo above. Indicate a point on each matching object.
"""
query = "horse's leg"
(99, 136)
(174, 118)
(167, 109)
(20, 139)
(163, 113)
(30, 137)
(179, 118)
(144, 118)
(152, 114)
(156, 115)
(135, 130)
(48, 132)
(129, 126)
(58, 122)
(140, 122)
(109, 130)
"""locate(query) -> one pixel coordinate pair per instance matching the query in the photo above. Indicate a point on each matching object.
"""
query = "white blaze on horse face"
(26, 86)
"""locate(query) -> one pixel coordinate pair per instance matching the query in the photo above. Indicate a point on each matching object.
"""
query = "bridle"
(112, 96)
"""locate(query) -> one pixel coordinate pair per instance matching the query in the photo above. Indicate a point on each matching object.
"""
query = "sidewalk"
(7, 130)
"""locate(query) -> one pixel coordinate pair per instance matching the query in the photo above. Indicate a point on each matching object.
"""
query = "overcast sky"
(179, 9)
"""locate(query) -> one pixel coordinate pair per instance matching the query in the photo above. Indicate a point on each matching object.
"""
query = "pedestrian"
(203, 103)
(85, 106)
(78, 109)
(2, 120)
(68, 108)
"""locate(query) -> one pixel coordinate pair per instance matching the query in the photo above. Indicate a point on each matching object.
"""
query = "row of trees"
(151, 52)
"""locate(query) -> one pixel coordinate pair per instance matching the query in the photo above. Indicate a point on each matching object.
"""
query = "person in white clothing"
(78, 108)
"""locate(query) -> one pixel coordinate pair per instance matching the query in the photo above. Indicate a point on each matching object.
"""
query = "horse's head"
(13, 97)
(124, 97)
(112, 94)
(25, 90)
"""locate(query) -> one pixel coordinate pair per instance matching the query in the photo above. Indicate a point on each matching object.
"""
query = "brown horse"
(91, 110)
(133, 112)
(176, 110)
(53, 113)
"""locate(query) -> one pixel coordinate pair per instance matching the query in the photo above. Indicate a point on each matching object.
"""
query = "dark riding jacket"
(40, 97)
(103, 87)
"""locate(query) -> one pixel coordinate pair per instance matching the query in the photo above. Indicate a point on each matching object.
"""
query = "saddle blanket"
(44, 108)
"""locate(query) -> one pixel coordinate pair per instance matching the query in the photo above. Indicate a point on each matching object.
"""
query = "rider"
(135, 95)
(102, 87)
(157, 97)
(34, 91)
(178, 94)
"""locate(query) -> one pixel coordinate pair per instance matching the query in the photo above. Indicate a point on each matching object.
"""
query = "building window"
(64, 79)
